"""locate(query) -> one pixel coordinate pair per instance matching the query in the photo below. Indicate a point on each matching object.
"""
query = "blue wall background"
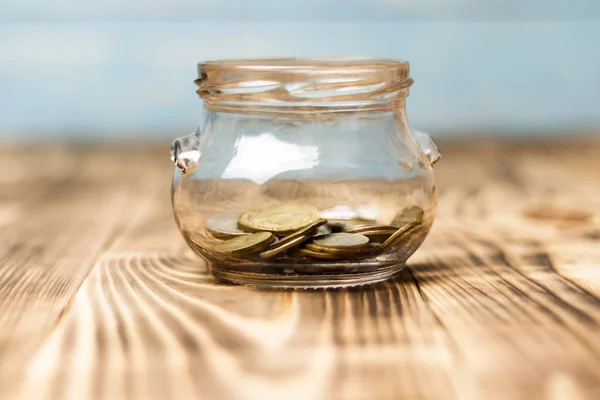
(93, 70)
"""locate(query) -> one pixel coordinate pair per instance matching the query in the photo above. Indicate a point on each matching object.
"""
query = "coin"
(342, 240)
(380, 229)
(332, 250)
(408, 214)
(344, 225)
(279, 248)
(293, 240)
(245, 244)
(402, 233)
(224, 226)
(375, 233)
(309, 231)
(357, 227)
(320, 255)
(280, 219)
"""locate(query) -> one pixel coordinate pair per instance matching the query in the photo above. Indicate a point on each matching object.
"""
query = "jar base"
(304, 281)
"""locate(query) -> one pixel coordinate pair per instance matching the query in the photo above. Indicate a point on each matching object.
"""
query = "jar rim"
(300, 84)
(287, 63)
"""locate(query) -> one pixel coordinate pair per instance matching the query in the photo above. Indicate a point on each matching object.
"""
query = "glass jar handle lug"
(185, 154)
(428, 147)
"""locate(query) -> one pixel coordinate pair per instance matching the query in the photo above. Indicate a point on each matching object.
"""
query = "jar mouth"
(302, 84)
(288, 63)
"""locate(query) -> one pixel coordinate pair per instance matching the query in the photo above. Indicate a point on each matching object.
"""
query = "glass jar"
(304, 172)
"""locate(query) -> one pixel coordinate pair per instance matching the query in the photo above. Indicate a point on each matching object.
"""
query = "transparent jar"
(304, 172)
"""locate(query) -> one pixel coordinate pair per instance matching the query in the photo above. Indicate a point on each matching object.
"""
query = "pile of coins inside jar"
(298, 231)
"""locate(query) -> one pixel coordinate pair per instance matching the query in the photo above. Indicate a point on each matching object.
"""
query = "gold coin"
(224, 226)
(279, 219)
(375, 233)
(309, 231)
(333, 250)
(402, 233)
(294, 239)
(339, 225)
(342, 241)
(320, 255)
(245, 244)
(381, 229)
(279, 248)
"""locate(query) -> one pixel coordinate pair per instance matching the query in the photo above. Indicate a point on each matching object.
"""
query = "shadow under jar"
(304, 172)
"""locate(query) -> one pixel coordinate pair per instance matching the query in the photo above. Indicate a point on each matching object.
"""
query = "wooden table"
(101, 299)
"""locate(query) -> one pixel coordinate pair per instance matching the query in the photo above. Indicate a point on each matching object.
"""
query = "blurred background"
(82, 70)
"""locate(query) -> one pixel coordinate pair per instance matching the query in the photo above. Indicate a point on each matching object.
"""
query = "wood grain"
(495, 305)
(61, 210)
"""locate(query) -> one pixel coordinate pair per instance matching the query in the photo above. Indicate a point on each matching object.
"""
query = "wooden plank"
(516, 298)
(149, 322)
(63, 207)
(519, 327)
(495, 305)
(160, 327)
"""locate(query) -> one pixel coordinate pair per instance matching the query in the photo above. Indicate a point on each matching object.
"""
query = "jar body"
(363, 172)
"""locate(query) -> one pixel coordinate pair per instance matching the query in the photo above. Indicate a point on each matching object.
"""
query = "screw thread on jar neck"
(292, 86)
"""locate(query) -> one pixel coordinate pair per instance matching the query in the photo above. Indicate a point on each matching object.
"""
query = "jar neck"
(292, 85)
(305, 110)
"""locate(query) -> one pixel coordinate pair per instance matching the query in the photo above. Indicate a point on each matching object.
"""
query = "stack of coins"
(297, 231)
(246, 244)
(293, 240)
(336, 246)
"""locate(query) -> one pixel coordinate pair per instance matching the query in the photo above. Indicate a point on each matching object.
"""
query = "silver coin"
(224, 226)
(342, 240)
